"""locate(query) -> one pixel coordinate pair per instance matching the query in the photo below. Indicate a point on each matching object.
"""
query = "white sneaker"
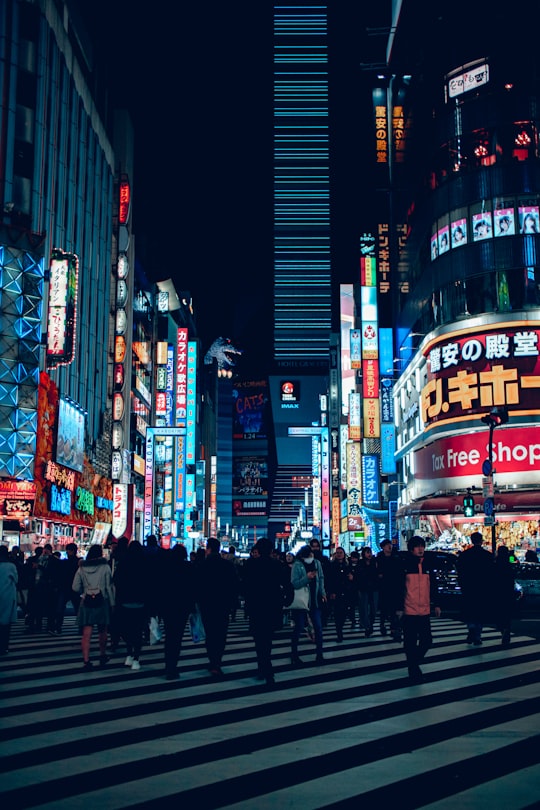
(129, 661)
(135, 664)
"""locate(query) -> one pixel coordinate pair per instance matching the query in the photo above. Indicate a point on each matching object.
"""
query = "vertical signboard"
(62, 314)
(181, 376)
(149, 483)
(325, 485)
(370, 480)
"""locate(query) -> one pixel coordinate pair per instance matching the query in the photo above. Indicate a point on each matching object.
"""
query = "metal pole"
(493, 533)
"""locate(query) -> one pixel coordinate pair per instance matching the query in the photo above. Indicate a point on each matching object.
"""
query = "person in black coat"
(216, 595)
(504, 593)
(265, 581)
(339, 587)
(390, 574)
(367, 584)
(133, 587)
(177, 601)
(65, 572)
(475, 573)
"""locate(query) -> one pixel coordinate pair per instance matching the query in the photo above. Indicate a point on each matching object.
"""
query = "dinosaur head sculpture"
(223, 354)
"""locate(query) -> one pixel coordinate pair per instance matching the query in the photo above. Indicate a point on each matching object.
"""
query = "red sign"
(515, 450)
(125, 200)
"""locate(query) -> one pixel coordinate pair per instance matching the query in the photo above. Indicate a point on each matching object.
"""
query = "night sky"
(198, 82)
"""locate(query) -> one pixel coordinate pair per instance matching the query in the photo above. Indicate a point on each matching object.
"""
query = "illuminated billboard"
(250, 403)
(70, 439)
(472, 370)
(62, 313)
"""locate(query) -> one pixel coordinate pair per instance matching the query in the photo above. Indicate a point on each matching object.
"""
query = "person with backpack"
(93, 580)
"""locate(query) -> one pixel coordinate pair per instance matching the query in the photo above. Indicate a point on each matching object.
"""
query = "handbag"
(93, 599)
(301, 599)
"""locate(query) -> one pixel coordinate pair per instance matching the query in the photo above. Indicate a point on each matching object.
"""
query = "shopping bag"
(155, 632)
(301, 599)
(196, 627)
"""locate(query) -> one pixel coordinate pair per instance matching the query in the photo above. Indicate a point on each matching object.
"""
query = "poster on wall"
(504, 222)
(482, 226)
(434, 247)
(459, 232)
(529, 219)
(443, 239)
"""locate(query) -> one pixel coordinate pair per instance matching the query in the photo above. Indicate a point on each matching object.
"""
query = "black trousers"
(262, 630)
(417, 640)
(216, 625)
(174, 625)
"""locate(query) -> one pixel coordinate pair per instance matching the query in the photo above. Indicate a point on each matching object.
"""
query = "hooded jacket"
(94, 575)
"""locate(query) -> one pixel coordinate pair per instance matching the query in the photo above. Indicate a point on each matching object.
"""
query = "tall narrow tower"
(302, 271)
(302, 276)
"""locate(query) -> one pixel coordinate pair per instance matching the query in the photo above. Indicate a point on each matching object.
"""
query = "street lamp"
(496, 417)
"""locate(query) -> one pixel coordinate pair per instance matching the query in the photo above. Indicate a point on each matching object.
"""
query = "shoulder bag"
(301, 599)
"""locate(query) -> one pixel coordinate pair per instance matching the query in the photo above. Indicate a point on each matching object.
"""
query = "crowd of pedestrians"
(140, 589)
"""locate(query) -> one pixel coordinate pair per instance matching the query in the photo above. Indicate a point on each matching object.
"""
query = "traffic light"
(468, 506)
(496, 417)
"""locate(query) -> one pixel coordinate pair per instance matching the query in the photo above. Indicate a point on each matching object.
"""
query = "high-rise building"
(58, 198)
(458, 155)
(302, 268)
(302, 272)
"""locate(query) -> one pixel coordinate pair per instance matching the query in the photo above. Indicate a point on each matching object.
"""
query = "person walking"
(93, 580)
(475, 575)
(30, 571)
(418, 593)
(265, 582)
(16, 555)
(326, 607)
(8, 598)
(504, 595)
(367, 585)
(153, 556)
(41, 591)
(307, 572)
(236, 560)
(64, 574)
(177, 601)
(216, 595)
(389, 572)
(354, 596)
(132, 587)
(118, 553)
(339, 587)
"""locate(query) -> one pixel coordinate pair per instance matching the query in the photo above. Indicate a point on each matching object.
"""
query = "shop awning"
(505, 503)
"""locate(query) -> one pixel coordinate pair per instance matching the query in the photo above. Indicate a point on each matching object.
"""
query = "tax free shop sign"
(456, 462)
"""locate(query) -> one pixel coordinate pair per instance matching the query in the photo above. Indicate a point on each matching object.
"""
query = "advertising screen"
(70, 441)
(250, 404)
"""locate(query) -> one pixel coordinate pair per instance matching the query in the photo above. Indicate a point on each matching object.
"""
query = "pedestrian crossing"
(352, 732)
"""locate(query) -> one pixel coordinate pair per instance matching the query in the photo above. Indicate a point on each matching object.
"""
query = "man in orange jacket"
(418, 593)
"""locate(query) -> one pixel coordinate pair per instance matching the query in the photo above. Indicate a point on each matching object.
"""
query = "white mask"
(309, 559)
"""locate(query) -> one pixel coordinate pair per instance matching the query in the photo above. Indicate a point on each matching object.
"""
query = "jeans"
(299, 618)
(368, 602)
